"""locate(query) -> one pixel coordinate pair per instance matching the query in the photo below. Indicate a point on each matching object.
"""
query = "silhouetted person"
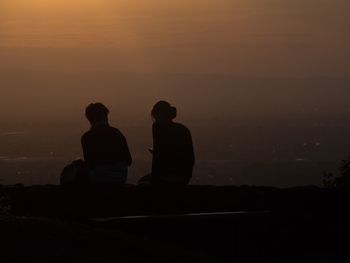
(173, 155)
(105, 148)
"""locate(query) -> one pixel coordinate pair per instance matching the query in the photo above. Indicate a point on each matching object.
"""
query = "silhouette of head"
(163, 111)
(97, 113)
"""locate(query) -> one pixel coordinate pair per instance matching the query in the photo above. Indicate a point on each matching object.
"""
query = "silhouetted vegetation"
(342, 179)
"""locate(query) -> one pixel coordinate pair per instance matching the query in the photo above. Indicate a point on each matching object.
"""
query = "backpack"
(76, 173)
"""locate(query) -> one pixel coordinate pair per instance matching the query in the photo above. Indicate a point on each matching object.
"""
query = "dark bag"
(75, 173)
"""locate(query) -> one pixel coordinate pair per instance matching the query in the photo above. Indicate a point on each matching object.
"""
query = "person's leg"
(83, 174)
(146, 180)
(109, 174)
(178, 178)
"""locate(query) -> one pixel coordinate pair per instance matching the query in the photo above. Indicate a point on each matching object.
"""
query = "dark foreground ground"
(107, 224)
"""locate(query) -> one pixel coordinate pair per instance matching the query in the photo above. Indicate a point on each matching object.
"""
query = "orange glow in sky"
(255, 37)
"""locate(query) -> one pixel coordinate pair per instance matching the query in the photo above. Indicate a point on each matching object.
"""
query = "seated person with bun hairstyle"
(173, 154)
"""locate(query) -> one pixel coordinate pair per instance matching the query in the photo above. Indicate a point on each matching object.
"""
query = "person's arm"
(190, 148)
(155, 153)
(126, 151)
(85, 148)
(156, 142)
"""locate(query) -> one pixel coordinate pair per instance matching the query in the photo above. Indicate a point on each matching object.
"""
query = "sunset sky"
(62, 52)
(239, 37)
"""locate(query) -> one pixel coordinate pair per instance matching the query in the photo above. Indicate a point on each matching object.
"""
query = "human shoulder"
(182, 127)
(116, 131)
(86, 136)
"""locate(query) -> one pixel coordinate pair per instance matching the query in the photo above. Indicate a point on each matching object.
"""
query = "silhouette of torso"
(173, 153)
(105, 145)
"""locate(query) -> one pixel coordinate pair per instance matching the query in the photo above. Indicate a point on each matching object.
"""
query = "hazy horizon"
(228, 64)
